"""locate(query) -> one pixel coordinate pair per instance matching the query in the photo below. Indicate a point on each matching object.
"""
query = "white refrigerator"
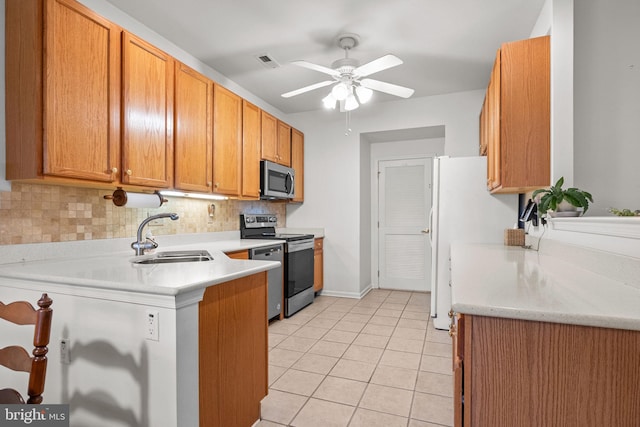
(463, 210)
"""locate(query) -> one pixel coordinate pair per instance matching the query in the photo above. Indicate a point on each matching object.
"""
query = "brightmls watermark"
(34, 415)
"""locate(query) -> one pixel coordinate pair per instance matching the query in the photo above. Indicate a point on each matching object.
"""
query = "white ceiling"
(446, 45)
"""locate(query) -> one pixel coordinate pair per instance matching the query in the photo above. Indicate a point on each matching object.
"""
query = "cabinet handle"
(217, 184)
(450, 314)
(128, 172)
(452, 331)
(114, 170)
(208, 183)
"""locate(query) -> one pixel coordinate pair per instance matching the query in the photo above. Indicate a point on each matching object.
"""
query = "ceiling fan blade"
(376, 65)
(316, 67)
(307, 88)
(401, 91)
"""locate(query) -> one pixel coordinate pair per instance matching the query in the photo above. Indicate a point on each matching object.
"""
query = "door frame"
(375, 255)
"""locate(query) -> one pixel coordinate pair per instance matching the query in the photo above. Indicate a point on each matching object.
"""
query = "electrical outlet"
(152, 322)
(65, 351)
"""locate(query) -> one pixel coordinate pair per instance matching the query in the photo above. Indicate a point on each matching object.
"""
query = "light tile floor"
(377, 361)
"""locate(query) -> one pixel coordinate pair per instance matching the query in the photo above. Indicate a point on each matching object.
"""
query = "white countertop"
(511, 282)
(116, 272)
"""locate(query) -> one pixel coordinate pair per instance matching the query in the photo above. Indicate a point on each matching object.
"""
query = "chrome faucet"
(140, 246)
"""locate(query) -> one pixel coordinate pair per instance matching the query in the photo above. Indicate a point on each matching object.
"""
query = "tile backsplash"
(34, 213)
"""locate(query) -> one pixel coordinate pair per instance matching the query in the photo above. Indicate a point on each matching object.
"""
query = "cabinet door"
(284, 144)
(269, 137)
(82, 94)
(193, 121)
(147, 78)
(297, 163)
(525, 115)
(227, 141)
(318, 265)
(250, 151)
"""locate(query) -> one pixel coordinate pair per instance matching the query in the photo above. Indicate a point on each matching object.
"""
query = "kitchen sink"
(173, 256)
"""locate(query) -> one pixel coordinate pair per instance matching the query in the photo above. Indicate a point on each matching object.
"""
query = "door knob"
(425, 231)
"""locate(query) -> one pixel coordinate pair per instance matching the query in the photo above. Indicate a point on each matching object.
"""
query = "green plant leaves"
(554, 195)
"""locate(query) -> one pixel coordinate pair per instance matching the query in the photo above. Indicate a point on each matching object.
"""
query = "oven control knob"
(273, 219)
(250, 219)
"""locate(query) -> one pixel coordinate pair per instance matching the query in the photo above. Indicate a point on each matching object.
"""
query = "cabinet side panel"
(533, 373)
(23, 83)
(233, 351)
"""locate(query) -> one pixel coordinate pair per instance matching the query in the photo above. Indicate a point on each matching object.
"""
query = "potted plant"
(556, 199)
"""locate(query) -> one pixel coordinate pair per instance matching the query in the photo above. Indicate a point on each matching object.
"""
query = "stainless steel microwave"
(276, 181)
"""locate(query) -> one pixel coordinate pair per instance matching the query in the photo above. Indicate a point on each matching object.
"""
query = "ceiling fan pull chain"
(347, 124)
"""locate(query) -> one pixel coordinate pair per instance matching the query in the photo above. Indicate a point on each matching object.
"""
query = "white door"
(404, 201)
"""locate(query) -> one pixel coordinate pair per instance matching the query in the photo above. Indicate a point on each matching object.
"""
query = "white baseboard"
(340, 294)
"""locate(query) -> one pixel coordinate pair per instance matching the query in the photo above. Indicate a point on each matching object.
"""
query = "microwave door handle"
(290, 190)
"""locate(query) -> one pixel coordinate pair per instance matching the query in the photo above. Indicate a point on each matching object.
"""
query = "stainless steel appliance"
(276, 181)
(298, 258)
(274, 276)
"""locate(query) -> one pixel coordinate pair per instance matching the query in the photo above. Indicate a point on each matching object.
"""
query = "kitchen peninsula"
(203, 362)
(545, 337)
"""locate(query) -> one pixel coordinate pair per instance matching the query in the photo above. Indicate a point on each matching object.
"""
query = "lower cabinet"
(318, 265)
(510, 372)
(233, 352)
(244, 254)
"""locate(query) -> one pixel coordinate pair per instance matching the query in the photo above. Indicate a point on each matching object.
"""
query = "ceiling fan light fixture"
(340, 91)
(329, 102)
(364, 94)
(351, 103)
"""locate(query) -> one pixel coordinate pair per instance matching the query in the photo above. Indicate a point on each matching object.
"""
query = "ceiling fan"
(351, 88)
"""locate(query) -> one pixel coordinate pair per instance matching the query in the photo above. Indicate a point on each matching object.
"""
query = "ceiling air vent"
(267, 60)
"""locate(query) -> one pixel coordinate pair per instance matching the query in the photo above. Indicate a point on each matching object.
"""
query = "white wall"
(607, 102)
(333, 179)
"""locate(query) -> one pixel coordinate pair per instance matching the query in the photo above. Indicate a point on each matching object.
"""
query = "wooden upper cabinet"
(518, 119)
(62, 92)
(227, 142)
(250, 150)
(297, 163)
(269, 137)
(193, 129)
(284, 144)
(147, 100)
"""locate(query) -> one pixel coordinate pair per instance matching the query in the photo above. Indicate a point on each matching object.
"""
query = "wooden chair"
(17, 358)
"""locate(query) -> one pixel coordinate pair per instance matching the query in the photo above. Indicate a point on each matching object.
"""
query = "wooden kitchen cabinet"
(244, 254)
(276, 140)
(284, 143)
(227, 142)
(269, 137)
(251, 140)
(318, 265)
(515, 119)
(62, 107)
(233, 352)
(193, 126)
(526, 373)
(147, 102)
(297, 163)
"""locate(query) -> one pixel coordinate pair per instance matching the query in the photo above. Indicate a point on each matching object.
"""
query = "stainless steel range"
(298, 258)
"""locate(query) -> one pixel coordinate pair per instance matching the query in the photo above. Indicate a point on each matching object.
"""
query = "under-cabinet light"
(172, 193)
